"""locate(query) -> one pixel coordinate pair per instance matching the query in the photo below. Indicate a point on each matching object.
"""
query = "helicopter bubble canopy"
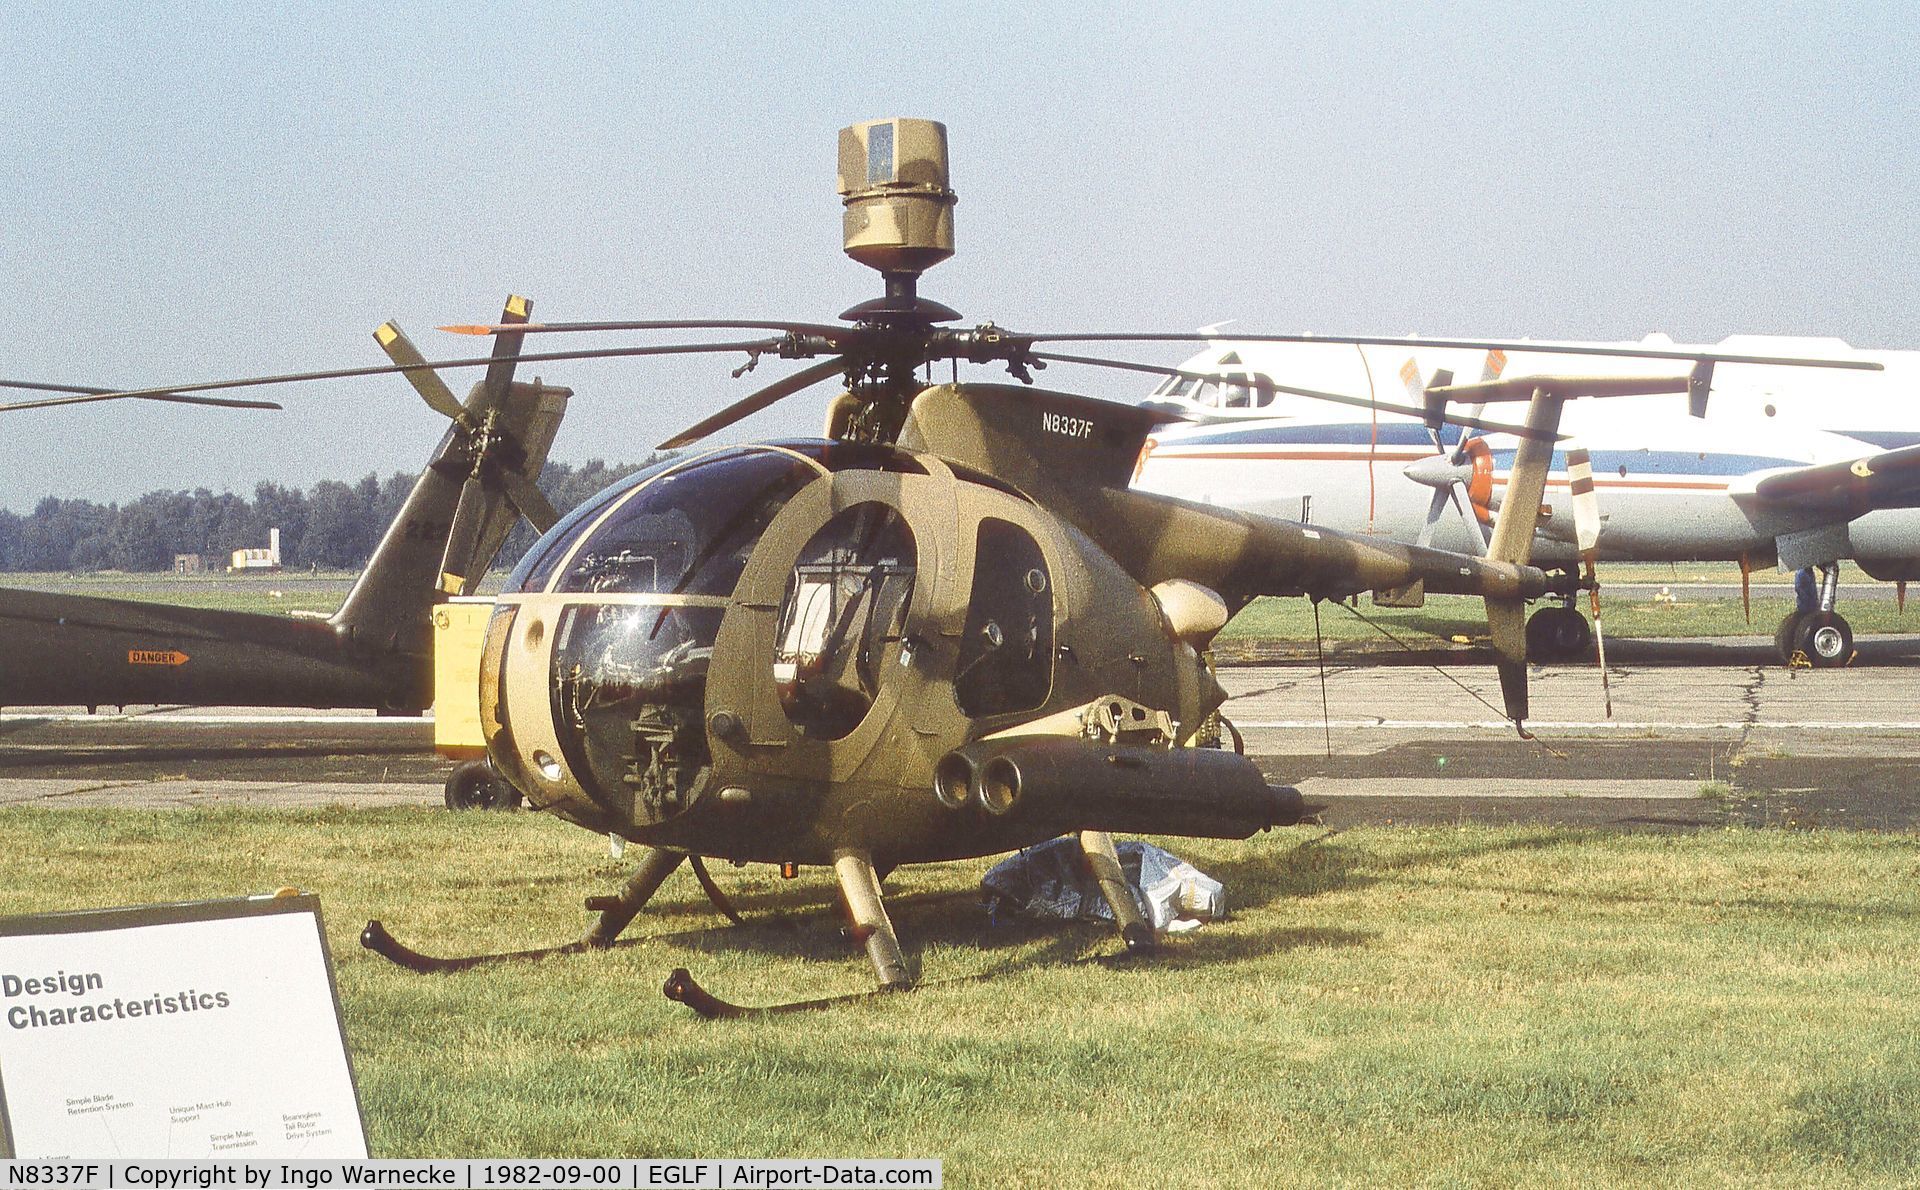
(643, 573)
(687, 525)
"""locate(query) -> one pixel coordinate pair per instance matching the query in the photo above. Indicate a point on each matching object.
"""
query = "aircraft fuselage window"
(843, 619)
(1006, 647)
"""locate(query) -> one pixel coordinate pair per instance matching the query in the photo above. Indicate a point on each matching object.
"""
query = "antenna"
(899, 209)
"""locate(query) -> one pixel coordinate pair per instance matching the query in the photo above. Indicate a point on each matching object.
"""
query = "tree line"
(332, 525)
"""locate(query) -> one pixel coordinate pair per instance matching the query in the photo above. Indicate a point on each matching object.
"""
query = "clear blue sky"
(196, 191)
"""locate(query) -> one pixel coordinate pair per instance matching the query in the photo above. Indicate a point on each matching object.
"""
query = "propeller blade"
(1263, 383)
(166, 391)
(1460, 448)
(786, 386)
(531, 502)
(87, 396)
(506, 351)
(463, 538)
(425, 380)
(1434, 510)
(1495, 364)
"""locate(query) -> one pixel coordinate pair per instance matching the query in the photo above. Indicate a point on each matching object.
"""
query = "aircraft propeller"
(1453, 474)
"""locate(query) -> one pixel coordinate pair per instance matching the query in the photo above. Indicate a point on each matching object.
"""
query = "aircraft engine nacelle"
(1886, 543)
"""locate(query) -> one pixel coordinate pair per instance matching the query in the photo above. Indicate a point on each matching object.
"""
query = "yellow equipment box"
(459, 635)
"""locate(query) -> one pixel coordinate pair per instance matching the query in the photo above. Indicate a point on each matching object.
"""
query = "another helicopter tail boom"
(390, 604)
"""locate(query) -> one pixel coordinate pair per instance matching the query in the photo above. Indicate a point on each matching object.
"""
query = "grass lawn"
(1387, 1006)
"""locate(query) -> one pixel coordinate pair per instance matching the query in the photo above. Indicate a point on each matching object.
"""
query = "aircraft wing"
(1890, 479)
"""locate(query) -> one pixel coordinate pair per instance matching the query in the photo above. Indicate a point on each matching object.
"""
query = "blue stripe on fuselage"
(1643, 462)
(1393, 433)
(1662, 462)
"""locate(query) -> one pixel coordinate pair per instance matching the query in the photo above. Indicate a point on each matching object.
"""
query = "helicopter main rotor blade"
(786, 386)
(1540, 348)
(425, 380)
(748, 347)
(825, 330)
(1263, 382)
(88, 396)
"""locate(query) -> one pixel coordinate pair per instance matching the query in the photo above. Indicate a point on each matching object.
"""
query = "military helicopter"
(375, 650)
(944, 629)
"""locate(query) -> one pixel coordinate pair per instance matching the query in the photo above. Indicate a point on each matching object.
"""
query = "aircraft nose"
(1436, 471)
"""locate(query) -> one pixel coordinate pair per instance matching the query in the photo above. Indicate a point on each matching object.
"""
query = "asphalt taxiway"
(1687, 746)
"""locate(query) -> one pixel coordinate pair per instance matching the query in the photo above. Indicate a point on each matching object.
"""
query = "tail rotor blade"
(1586, 504)
(531, 502)
(463, 538)
(746, 406)
(506, 352)
(425, 380)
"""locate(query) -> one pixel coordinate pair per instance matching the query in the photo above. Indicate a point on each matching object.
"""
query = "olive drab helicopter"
(945, 629)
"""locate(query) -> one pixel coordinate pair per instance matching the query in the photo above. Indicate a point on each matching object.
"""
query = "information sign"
(204, 1029)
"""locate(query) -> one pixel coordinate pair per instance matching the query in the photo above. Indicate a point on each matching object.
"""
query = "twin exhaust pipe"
(1070, 783)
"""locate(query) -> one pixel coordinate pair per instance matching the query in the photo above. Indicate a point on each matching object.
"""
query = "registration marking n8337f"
(1072, 427)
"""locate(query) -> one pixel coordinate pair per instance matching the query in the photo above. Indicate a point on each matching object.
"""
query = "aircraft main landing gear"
(1558, 632)
(474, 785)
(1821, 638)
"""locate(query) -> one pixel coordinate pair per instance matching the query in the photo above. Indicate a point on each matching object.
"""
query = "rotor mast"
(899, 222)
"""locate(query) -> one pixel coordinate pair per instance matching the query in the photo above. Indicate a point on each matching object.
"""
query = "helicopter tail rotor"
(495, 458)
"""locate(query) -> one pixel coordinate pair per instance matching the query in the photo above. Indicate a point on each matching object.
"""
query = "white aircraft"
(1793, 466)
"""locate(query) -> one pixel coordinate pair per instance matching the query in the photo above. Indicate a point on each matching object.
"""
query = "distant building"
(267, 559)
(188, 564)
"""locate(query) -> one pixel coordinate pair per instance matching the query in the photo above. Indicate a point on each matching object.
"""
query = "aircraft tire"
(1558, 634)
(473, 785)
(1826, 638)
(1785, 636)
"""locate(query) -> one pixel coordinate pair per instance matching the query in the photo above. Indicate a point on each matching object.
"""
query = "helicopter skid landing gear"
(860, 886)
(615, 912)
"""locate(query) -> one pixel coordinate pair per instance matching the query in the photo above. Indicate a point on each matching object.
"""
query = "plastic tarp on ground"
(1052, 881)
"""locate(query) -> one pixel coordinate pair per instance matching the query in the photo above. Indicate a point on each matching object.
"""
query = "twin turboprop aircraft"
(1794, 467)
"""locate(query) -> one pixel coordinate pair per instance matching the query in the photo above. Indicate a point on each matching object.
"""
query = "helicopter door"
(842, 619)
(819, 644)
(1006, 649)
